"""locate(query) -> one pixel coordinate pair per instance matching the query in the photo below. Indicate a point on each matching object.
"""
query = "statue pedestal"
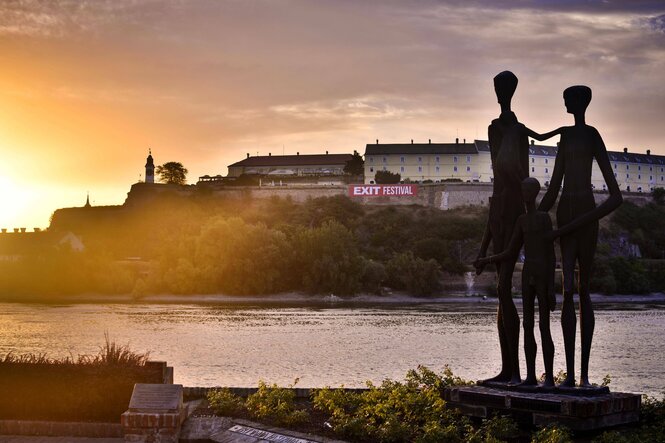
(578, 411)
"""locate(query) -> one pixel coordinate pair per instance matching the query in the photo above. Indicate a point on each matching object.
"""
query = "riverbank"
(294, 298)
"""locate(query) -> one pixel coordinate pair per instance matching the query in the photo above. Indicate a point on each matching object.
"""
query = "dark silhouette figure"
(534, 231)
(578, 214)
(509, 150)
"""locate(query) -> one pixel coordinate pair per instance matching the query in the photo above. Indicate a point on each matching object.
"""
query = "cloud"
(656, 23)
(205, 80)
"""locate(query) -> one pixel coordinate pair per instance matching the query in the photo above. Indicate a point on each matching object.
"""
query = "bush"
(387, 177)
(438, 249)
(412, 411)
(225, 403)
(327, 259)
(602, 279)
(658, 195)
(644, 224)
(276, 404)
(630, 276)
(374, 275)
(415, 275)
(552, 434)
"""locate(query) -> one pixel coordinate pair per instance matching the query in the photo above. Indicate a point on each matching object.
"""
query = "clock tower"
(149, 168)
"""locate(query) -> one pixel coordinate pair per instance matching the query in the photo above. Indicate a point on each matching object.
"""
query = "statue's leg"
(545, 333)
(505, 374)
(587, 320)
(528, 323)
(511, 320)
(568, 317)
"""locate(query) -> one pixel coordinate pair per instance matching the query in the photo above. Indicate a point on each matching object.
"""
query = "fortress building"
(471, 162)
(291, 165)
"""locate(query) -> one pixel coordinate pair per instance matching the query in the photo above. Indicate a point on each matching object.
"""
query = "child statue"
(533, 230)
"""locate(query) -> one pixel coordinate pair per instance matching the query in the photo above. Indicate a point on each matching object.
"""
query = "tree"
(387, 177)
(658, 195)
(172, 173)
(355, 166)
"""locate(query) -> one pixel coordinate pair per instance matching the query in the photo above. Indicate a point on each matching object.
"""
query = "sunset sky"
(86, 87)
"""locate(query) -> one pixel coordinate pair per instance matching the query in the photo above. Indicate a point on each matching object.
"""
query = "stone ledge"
(150, 420)
(59, 429)
(579, 413)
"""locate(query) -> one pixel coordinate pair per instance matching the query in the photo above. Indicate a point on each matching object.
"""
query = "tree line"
(205, 245)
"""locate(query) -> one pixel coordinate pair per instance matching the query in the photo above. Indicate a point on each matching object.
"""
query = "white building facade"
(471, 162)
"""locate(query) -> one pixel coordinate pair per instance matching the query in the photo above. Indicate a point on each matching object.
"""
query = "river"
(236, 345)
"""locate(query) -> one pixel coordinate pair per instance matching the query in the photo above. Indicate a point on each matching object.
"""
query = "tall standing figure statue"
(509, 149)
(577, 217)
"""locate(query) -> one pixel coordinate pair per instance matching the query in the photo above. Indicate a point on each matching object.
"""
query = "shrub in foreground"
(225, 403)
(276, 404)
(412, 411)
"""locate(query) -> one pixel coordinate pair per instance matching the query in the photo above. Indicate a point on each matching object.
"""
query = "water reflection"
(346, 344)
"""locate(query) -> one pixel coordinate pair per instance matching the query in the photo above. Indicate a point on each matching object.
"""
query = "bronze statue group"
(516, 220)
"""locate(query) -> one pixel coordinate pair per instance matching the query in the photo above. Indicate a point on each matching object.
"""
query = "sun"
(14, 202)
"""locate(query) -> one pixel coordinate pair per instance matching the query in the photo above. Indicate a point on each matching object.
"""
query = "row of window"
(420, 169)
(639, 168)
(639, 177)
(437, 159)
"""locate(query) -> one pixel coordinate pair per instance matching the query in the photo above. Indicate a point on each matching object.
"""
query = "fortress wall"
(297, 194)
(442, 196)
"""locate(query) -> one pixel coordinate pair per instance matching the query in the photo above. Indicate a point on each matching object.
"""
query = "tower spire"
(149, 168)
(87, 200)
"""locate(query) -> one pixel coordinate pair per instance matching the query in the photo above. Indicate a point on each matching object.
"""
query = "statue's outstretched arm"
(555, 184)
(542, 137)
(512, 250)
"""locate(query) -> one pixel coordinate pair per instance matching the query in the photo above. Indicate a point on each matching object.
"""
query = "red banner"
(383, 190)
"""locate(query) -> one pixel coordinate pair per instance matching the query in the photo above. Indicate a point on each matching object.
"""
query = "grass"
(110, 354)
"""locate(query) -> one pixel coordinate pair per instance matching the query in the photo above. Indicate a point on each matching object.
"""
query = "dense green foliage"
(355, 166)
(63, 272)
(269, 403)
(276, 404)
(204, 245)
(173, 173)
(387, 177)
(644, 225)
(225, 403)
(658, 195)
(412, 411)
